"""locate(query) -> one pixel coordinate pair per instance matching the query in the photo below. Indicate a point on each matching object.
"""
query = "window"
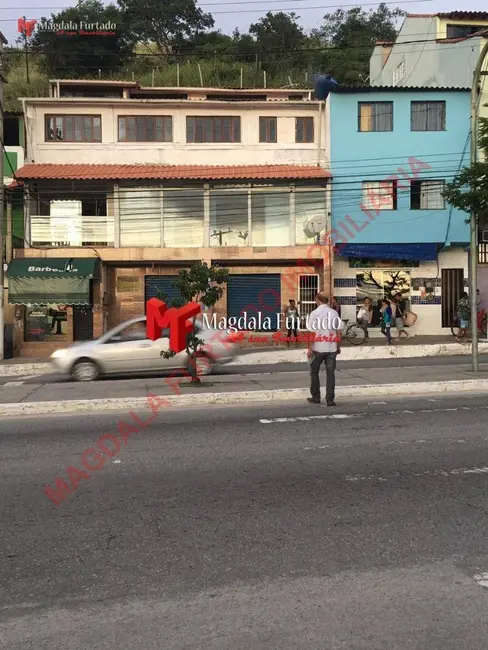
(377, 284)
(427, 195)
(398, 73)
(380, 195)
(463, 31)
(183, 217)
(213, 129)
(45, 322)
(304, 129)
(229, 224)
(428, 116)
(140, 216)
(74, 128)
(375, 116)
(146, 129)
(310, 215)
(267, 129)
(270, 215)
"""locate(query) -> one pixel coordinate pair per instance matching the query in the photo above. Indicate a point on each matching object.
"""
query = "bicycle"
(482, 326)
(354, 333)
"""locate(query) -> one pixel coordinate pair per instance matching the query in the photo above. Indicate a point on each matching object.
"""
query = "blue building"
(392, 151)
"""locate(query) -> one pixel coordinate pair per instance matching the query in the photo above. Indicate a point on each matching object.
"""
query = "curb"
(242, 397)
(360, 353)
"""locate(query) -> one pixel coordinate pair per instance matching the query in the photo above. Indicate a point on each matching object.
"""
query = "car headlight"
(57, 354)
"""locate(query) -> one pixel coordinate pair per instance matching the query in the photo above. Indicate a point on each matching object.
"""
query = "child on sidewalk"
(386, 320)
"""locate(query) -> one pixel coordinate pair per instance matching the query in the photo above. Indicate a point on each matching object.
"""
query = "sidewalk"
(229, 389)
(414, 347)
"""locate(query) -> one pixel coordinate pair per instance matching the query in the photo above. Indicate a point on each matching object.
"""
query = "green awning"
(55, 267)
(44, 281)
(46, 291)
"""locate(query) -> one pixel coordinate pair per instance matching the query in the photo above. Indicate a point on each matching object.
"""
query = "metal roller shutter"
(153, 284)
(255, 293)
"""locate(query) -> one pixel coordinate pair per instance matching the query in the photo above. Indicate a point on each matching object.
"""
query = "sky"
(241, 13)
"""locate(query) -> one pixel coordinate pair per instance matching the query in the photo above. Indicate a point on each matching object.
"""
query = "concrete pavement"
(286, 387)
(219, 531)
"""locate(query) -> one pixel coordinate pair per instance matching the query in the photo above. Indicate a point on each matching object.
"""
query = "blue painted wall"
(374, 156)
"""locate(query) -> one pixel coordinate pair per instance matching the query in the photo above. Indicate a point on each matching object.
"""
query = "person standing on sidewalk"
(400, 313)
(386, 318)
(292, 318)
(326, 325)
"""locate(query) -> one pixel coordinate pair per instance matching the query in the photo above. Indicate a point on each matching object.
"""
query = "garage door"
(253, 294)
(153, 284)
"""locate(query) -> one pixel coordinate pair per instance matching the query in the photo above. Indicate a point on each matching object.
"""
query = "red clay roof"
(167, 172)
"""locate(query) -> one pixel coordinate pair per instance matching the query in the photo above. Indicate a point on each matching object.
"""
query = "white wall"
(248, 152)
(429, 315)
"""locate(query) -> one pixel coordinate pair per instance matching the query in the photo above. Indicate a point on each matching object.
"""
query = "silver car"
(126, 350)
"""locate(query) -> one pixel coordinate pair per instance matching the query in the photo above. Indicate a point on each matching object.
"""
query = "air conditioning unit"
(484, 236)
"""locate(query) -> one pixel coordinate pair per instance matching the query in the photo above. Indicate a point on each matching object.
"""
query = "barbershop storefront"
(54, 303)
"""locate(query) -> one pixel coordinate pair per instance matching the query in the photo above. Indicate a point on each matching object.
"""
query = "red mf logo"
(26, 26)
(159, 318)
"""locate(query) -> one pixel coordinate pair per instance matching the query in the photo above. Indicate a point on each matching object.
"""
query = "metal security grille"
(452, 288)
(308, 289)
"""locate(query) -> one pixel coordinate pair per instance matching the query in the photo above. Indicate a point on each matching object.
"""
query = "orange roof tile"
(168, 172)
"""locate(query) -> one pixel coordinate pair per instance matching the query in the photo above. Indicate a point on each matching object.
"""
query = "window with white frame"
(398, 73)
(379, 195)
(140, 216)
(427, 195)
(270, 215)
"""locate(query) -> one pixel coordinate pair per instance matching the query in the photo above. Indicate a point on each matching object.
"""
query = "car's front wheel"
(85, 370)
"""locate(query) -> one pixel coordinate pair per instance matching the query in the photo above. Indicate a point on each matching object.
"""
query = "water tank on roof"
(324, 84)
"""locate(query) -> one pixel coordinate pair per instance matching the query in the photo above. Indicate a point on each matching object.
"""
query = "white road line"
(389, 443)
(14, 383)
(482, 579)
(376, 403)
(441, 472)
(341, 416)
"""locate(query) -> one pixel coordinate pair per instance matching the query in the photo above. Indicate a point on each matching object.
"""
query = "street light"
(473, 246)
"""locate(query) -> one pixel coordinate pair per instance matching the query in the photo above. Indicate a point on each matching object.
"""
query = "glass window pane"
(228, 218)
(122, 129)
(310, 215)
(270, 218)
(183, 217)
(140, 217)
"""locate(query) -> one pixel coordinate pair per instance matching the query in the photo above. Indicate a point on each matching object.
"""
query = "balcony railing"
(72, 231)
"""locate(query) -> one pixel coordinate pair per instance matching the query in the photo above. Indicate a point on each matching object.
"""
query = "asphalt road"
(56, 378)
(223, 528)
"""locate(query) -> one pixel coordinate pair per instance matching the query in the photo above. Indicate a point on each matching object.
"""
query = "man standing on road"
(325, 323)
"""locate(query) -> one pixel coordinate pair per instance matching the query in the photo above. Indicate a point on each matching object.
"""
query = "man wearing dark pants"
(326, 325)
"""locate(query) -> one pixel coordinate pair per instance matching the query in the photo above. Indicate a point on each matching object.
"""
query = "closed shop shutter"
(255, 293)
(153, 284)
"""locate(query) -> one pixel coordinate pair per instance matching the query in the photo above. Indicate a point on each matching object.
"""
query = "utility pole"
(3, 42)
(473, 248)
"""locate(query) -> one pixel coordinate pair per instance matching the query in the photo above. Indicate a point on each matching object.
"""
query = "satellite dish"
(315, 225)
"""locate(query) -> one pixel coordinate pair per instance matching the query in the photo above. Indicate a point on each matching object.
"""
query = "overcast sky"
(240, 14)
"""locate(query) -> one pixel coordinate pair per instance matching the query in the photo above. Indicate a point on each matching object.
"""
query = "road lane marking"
(482, 579)
(433, 473)
(340, 416)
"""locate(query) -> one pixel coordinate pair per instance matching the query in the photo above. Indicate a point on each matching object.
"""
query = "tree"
(469, 190)
(279, 39)
(76, 54)
(351, 35)
(201, 283)
(165, 23)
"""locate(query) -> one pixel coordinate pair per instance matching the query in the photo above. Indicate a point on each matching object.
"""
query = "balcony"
(67, 231)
